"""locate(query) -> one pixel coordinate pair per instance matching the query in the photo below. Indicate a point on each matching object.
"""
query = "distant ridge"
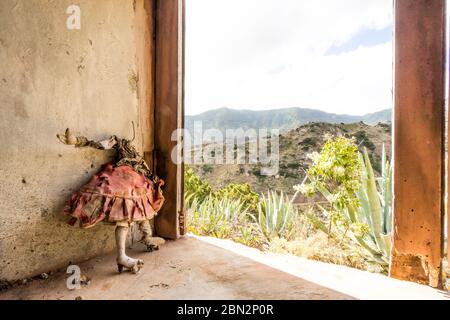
(283, 119)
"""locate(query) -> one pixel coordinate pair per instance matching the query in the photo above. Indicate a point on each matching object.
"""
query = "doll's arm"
(81, 141)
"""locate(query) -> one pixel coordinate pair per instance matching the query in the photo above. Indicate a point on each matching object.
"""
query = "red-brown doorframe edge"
(169, 111)
(419, 115)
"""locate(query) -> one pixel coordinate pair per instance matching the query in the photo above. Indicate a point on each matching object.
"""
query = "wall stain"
(20, 109)
(133, 80)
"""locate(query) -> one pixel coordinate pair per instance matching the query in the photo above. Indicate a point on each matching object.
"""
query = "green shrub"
(194, 187)
(336, 168)
(241, 192)
(207, 168)
(375, 161)
(363, 139)
(308, 143)
(256, 170)
(293, 165)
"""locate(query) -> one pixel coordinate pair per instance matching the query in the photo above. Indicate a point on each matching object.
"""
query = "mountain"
(282, 119)
(384, 116)
(295, 145)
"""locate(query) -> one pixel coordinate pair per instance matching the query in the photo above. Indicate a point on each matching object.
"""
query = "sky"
(330, 55)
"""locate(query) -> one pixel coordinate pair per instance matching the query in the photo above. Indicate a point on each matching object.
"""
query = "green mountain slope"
(283, 119)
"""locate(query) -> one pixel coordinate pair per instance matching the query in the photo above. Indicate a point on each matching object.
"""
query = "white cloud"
(261, 54)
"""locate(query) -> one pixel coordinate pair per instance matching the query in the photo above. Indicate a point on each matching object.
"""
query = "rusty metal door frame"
(419, 115)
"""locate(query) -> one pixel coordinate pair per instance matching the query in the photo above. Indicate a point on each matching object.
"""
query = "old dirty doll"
(122, 193)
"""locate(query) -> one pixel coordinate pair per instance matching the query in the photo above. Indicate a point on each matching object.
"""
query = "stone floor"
(206, 268)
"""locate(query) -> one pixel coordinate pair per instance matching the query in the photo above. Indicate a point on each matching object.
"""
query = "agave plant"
(215, 217)
(274, 214)
(367, 224)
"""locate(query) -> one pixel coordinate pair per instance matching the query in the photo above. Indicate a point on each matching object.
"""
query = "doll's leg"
(152, 243)
(123, 261)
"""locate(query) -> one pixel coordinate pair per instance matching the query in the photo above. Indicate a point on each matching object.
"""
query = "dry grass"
(318, 247)
(308, 242)
(446, 274)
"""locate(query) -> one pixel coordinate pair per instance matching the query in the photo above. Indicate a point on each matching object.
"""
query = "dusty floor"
(205, 268)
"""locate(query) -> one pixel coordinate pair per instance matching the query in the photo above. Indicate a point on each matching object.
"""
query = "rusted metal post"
(169, 111)
(418, 141)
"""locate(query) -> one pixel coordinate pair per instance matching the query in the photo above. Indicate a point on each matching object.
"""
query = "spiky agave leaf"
(274, 213)
(375, 209)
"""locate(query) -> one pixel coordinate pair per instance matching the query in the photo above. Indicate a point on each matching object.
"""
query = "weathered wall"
(52, 78)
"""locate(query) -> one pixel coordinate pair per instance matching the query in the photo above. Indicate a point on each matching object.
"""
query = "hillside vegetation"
(295, 145)
(341, 213)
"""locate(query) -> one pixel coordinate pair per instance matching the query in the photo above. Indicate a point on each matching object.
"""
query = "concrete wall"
(52, 78)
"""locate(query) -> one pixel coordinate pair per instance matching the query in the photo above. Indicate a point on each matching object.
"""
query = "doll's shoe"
(153, 243)
(134, 265)
(151, 248)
